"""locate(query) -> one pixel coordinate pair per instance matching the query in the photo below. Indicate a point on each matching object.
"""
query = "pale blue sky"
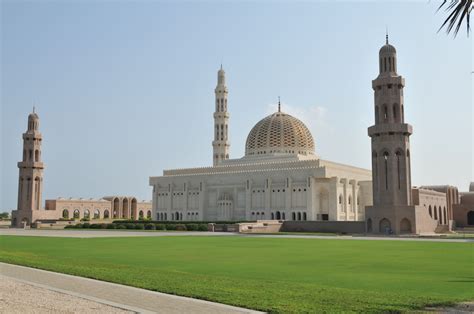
(125, 89)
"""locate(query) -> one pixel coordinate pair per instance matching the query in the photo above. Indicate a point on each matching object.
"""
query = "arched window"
(399, 154)
(148, 214)
(435, 213)
(304, 216)
(395, 112)
(106, 214)
(293, 216)
(385, 113)
(65, 214)
(440, 216)
(140, 214)
(445, 216)
(97, 214)
(350, 199)
(375, 168)
(87, 214)
(385, 156)
(283, 216)
(37, 156)
(273, 216)
(430, 211)
(340, 198)
(377, 114)
(24, 155)
(76, 213)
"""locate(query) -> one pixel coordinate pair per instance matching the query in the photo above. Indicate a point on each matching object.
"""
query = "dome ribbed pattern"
(387, 49)
(279, 133)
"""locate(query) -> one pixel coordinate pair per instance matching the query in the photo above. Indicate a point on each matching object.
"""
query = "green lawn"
(269, 274)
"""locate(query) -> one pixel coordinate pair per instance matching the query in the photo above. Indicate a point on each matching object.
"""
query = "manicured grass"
(269, 274)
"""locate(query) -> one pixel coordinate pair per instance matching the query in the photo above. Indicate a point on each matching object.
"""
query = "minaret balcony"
(385, 80)
(386, 128)
(223, 114)
(31, 164)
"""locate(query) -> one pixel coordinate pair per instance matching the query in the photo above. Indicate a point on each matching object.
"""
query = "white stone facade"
(280, 177)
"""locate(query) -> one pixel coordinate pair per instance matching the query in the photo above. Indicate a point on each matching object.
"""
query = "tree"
(459, 10)
(4, 215)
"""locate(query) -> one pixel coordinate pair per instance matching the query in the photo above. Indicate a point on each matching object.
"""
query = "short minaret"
(391, 173)
(30, 185)
(221, 144)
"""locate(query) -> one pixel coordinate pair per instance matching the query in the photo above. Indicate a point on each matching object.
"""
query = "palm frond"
(460, 10)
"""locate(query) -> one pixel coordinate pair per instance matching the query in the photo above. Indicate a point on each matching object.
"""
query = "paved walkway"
(115, 295)
(16, 297)
(71, 233)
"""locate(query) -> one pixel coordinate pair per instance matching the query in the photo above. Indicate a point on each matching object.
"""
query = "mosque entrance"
(384, 226)
(470, 218)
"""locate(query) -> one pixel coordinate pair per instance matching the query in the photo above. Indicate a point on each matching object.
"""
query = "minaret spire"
(386, 35)
(279, 104)
(221, 142)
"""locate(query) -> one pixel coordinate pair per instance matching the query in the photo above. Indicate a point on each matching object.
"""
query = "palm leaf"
(460, 10)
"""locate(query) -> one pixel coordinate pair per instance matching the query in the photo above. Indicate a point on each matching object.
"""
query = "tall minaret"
(30, 185)
(221, 144)
(391, 173)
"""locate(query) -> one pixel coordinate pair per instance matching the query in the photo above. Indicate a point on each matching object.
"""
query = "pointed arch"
(385, 226)
(405, 226)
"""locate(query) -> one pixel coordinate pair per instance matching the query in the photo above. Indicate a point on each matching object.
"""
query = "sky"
(125, 89)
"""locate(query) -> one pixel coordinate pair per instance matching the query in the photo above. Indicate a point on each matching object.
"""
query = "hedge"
(185, 222)
(142, 226)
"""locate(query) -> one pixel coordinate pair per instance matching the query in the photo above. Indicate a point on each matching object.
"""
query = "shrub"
(192, 227)
(139, 226)
(69, 227)
(103, 226)
(94, 226)
(181, 227)
(202, 227)
(120, 226)
(150, 227)
(130, 226)
(111, 226)
(170, 227)
(86, 225)
(85, 219)
(159, 226)
(78, 226)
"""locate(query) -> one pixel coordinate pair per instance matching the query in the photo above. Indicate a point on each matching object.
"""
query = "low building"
(463, 213)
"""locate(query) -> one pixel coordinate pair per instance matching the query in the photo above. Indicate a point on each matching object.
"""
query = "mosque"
(281, 177)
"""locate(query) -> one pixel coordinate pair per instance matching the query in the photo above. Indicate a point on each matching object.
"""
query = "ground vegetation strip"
(268, 274)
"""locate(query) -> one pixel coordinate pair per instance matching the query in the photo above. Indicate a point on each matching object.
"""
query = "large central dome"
(279, 133)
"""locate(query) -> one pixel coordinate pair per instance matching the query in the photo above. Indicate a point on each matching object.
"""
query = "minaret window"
(36, 155)
(385, 64)
(28, 189)
(395, 115)
(376, 114)
(30, 155)
(37, 193)
(385, 113)
(385, 156)
(398, 169)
